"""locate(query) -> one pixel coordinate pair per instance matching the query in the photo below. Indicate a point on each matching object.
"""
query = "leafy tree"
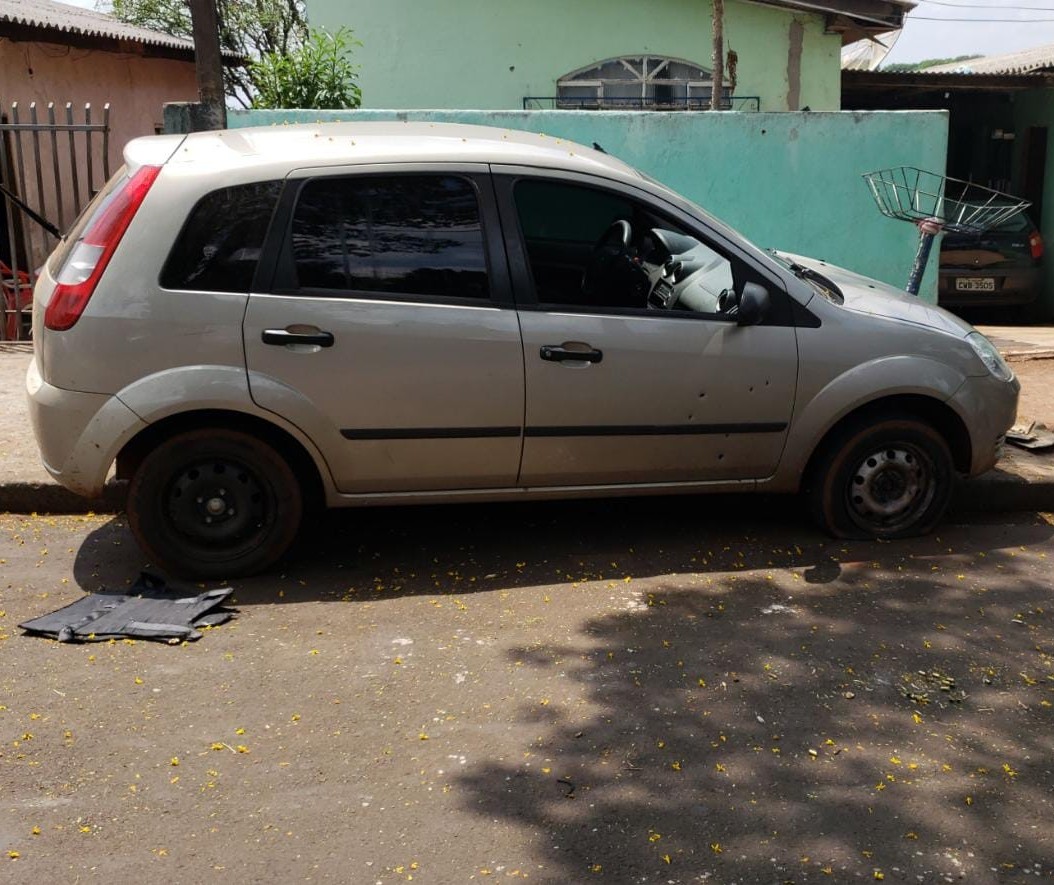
(249, 28)
(317, 74)
(907, 67)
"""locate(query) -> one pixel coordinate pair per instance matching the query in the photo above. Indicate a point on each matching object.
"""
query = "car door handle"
(552, 353)
(280, 337)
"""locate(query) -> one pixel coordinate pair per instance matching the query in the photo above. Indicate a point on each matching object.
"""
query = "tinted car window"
(407, 235)
(219, 246)
(597, 249)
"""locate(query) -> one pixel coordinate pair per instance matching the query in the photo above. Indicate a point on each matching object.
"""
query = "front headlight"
(991, 357)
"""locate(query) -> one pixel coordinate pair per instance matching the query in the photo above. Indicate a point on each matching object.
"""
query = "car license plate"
(975, 284)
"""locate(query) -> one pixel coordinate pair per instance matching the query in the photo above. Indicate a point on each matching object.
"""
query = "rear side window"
(219, 246)
(417, 235)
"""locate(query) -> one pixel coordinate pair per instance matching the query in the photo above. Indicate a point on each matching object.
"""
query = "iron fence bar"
(602, 102)
(37, 163)
(29, 235)
(73, 165)
(55, 163)
(5, 175)
(87, 150)
(106, 142)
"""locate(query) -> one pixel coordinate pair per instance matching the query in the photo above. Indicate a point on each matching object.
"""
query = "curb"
(1024, 356)
(51, 498)
(998, 491)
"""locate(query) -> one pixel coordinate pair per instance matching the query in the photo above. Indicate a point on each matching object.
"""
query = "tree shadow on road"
(893, 722)
(370, 554)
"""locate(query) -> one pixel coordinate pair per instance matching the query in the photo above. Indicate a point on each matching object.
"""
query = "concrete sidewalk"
(1022, 481)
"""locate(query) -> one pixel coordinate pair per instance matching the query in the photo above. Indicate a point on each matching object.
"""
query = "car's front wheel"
(890, 477)
(214, 504)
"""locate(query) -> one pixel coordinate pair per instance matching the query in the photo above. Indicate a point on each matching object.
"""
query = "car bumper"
(989, 408)
(78, 434)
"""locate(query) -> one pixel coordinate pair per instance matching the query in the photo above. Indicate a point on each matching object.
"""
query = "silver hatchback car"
(252, 321)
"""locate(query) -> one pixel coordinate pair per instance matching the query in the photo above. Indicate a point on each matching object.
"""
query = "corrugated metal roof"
(1023, 61)
(74, 20)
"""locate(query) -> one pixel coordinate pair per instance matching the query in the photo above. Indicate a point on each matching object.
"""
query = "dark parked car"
(993, 269)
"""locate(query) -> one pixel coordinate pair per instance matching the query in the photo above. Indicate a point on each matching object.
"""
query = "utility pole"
(718, 62)
(211, 112)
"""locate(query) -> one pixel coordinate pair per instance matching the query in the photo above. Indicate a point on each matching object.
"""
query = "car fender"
(222, 388)
(85, 469)
(858, 386)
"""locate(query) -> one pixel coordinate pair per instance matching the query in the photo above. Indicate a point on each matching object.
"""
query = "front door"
(636, 369)
(389, 331)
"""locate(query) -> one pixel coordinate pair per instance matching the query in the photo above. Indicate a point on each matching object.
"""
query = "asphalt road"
(646, 691)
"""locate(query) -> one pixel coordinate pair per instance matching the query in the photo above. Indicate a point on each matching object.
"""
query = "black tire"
(889, 477)
(214, 504)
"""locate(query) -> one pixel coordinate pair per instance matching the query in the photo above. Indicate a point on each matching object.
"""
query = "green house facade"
(607, 54)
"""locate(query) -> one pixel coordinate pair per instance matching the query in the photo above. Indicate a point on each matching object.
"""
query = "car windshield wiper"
(826, 288)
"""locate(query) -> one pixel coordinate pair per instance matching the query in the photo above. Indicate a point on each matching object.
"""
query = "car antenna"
(597, 147)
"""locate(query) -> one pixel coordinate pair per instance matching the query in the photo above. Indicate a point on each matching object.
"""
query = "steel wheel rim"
(219, 505)
(891, 487)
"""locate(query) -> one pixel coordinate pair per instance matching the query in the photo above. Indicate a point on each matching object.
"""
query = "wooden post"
(718, 62)
(212, 113)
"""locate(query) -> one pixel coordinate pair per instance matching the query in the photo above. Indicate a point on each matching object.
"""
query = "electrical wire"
(1011, 21)
(986, 6)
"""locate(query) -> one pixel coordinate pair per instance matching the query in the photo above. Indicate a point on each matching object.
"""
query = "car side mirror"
(754, 303)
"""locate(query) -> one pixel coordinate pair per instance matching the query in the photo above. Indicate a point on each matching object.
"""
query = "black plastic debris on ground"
(149, 610)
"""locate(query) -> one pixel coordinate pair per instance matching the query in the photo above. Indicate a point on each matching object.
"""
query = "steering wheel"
(612, 248)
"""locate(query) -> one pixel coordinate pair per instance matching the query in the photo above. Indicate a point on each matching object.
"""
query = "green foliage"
(250, 29)
(158, 15)
(907, 67)
(317, 74)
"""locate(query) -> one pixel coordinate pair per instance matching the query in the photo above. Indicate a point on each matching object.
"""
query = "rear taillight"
(80, 273)
(1035, 243)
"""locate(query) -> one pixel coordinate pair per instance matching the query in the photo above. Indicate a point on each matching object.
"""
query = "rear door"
(624, 387)
(388, 333)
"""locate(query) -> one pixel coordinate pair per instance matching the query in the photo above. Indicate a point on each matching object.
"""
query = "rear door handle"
(280, 337)
(552, 353)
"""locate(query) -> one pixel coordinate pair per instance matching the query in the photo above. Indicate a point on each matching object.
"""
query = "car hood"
(867, 296)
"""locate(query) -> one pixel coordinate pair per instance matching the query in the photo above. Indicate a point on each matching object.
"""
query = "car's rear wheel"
(214, 504)
(890, 477)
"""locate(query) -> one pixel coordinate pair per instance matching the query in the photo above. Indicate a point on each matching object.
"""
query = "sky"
(993, 27)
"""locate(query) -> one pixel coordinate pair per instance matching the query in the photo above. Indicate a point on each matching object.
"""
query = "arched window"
(638, 81)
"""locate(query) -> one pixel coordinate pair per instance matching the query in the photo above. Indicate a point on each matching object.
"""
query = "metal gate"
(50, 167)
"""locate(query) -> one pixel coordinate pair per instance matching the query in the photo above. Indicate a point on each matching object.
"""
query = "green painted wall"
(1036, 108)
(787, 180)
(491, 53)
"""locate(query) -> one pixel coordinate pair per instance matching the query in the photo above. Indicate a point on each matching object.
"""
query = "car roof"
(280, 149)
